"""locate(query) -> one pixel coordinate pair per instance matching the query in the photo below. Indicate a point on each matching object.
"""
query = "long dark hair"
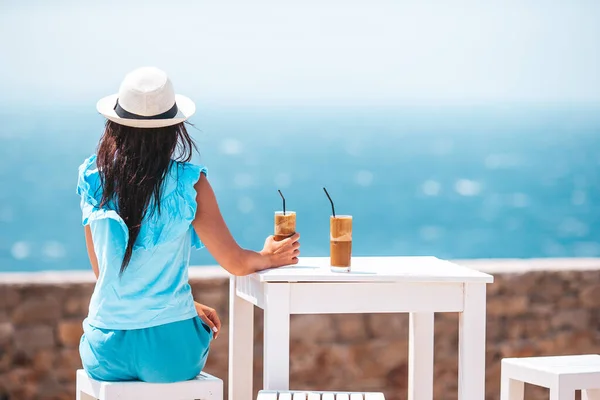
(133, 163)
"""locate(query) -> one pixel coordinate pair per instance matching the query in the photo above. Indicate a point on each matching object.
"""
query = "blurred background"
(461, 129)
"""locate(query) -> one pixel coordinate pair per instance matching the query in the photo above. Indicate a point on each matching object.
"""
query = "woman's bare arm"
(89, 244)
(213, 232)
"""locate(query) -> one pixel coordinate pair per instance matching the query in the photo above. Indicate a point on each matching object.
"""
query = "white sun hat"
(146, 99)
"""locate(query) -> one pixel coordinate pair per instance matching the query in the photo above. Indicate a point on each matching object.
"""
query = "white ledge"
(490, 266)
(523, 265)
(78, 276)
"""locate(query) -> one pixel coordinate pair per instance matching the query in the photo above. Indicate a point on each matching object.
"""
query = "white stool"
(563, 375)
(312, 395)
(203, 387)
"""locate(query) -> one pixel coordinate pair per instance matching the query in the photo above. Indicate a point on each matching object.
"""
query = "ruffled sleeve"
(177, 209)
(90, 191)
(190, 175)
(88, 188)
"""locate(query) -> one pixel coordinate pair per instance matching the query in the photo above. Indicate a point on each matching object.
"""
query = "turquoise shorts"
(166, 353)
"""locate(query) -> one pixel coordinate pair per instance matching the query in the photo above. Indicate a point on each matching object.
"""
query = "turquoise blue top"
(154, 289)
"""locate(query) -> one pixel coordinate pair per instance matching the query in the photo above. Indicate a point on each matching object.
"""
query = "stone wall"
(531, 311)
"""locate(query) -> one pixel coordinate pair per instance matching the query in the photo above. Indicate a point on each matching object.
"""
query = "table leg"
(471, 344)
(420, 356)
(511, 389)
(276, 372)
(590, 394)
(241, 345)
(561, 392)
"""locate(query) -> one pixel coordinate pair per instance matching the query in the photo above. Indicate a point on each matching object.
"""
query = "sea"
(453, 181)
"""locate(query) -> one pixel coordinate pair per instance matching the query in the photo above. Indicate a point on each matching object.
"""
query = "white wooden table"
(420, 286)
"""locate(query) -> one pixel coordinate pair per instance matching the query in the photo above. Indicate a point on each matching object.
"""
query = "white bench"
(203, 387)
(316, 395)
(563, 375)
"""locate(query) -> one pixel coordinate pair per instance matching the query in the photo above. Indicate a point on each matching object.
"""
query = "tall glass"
(340, 242)
(285, 224)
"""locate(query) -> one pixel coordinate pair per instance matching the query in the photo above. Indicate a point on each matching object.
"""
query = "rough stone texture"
(69, 332)
(535, 313)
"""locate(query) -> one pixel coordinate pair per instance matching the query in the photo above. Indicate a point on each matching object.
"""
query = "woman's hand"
(210, 317)
(284, 252)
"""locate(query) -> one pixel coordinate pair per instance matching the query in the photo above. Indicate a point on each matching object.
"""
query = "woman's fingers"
(291, 246)
(287, 251)
(287, 245)
(214, 317)
(208, 322)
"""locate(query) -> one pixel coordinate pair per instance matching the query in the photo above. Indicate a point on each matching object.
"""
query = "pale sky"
(305, 51)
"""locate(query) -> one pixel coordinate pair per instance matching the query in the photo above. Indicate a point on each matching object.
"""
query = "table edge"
(299, 279)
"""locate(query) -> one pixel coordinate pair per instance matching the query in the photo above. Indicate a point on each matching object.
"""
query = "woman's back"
(154, 288)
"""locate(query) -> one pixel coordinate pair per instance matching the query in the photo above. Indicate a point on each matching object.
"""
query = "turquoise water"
(455, 182)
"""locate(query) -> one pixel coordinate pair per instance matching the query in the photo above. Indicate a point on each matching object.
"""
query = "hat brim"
(186, 108)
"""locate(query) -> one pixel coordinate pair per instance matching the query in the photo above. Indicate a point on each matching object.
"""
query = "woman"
(144, 206)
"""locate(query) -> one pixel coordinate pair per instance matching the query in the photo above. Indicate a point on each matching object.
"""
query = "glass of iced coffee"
(285, 224)
(340, 242)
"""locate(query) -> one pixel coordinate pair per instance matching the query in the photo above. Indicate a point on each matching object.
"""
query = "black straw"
(281, 194)
(331, 201)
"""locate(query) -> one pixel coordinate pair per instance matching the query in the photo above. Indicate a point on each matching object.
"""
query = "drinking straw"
(281, 194)
(331, 201)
